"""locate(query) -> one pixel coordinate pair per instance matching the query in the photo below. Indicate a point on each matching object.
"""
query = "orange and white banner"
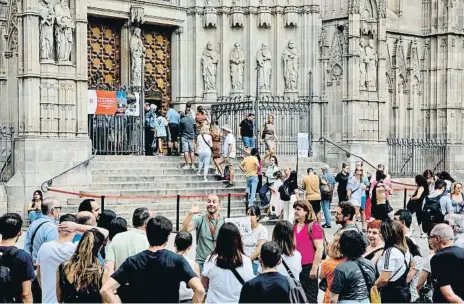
(102, 102)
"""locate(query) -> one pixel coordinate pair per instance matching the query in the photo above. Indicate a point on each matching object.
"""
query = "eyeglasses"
(58, 208)
(431, 236)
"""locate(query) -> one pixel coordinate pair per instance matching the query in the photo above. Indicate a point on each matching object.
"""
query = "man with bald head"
(206, 225)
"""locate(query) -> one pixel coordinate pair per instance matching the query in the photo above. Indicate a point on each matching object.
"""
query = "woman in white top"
(203, 148)
(218, 275)
(252, 243)
(284, 236)
(394, 265)
(277, 205)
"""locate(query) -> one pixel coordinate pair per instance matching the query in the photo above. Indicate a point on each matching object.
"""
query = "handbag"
(388, 207)
(323, 285)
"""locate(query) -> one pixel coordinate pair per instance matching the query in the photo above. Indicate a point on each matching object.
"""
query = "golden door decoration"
(104, 56)
(158, 63)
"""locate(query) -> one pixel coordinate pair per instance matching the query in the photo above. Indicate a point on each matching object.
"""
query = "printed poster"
(106, 103)
(133, 104)
(92, 102)
(243, 224)
(121, 97)
(303, 145)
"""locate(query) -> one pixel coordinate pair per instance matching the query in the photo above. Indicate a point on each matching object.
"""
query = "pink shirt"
(304, 243)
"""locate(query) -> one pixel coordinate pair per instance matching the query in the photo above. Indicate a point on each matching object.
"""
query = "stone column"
(176, 60)
(81, 68)
(125, 54)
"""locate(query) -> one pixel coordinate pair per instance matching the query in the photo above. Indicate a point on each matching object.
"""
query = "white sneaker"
(198, 173)
(205, 179)
(192, 167)
(186, 167)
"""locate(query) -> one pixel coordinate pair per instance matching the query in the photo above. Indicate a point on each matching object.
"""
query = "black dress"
(69, 294)
(342, 181)
(415, 206)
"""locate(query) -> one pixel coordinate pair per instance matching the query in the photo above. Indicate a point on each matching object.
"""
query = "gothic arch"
(368, 9)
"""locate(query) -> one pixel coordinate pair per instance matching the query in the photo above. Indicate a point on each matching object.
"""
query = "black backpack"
(284, 192)
(6, 279)
(431, 213)
(297, 293)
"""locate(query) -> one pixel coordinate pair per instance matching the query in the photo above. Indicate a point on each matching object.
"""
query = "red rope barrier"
(142, 196)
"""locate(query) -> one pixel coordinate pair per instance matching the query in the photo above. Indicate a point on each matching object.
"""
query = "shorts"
(363, 202)
(174, 130)
(316, 206)
(187, 145)
(248, 142)
(355, 202)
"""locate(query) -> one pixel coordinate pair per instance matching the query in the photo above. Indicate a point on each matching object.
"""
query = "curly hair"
(334, 250)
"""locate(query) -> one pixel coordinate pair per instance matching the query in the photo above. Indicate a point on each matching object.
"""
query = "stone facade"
(381, 68)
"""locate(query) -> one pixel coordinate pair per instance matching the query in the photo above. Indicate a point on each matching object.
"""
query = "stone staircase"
(133, 176)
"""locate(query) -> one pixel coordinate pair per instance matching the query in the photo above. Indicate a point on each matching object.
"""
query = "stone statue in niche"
(290, 62)
(264, 58)
(362, 65)
(372, 60)
(64, 31)
(47, 19)
(209, 61)
(137, 51)
(237, 67)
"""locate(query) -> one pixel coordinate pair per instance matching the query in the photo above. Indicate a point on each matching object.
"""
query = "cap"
(325, 167)
(227, 128)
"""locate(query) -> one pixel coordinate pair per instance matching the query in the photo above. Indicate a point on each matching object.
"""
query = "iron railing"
(409, 157)
(291, 116)
(116, 134)
(6, 153)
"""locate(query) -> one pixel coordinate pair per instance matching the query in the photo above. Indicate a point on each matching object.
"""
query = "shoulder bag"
(237, 275)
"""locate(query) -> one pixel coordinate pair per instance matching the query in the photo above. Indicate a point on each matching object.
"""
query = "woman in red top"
(309, 237)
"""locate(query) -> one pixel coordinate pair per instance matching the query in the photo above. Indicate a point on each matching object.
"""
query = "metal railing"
(116, 134)
(6, 153)
(291, 116)
(409, 157)
(48, 183)
(348, 154)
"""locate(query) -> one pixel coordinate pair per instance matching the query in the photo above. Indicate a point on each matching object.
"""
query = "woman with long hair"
(252, 243)
(431, 179)
(457, 198)
(342, 180)
(80, 279)
(276, 207)
(215, 133)
(376, 244)
(34, 210)
(357, 185)
(444, 175)
(284, 237)
(417, 199)
(272, 168)
(414, 272)
(328, 266)
(270, 137)
(394, 264)
(227, 268)
(309, 237)
(291, 184)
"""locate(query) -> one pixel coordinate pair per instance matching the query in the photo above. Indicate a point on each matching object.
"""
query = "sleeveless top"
(422, 197)
(456, 206)
(69, 294)
(371, 255)
(269, 131)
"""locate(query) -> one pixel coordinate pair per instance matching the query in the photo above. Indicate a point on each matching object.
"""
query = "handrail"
(86, 162)
(348, 154)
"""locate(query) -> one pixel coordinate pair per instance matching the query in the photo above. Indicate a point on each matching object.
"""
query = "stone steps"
(164, 185)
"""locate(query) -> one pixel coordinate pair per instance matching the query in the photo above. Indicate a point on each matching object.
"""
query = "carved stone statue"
(137, 53)
(362, 65)
(372, 60)
(237, 67)
(47, 18)
(290, 62)
(209, 61)
(64, 31)
(264, 58)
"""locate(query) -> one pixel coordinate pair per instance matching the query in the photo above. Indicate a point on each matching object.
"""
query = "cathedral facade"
(375, 69)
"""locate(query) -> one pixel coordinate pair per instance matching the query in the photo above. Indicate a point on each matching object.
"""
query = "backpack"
(297, 293)
(326, 189)
(431, 213)
(6, 279)
(284, 192)
(324, 241)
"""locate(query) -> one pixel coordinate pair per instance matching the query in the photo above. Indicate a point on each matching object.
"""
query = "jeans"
(252, 184)
(263, 194)
(205, 159)
(326, 209)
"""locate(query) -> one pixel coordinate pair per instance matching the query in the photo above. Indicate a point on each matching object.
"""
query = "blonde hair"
(333, 250)
(84, 265)
(205, 129)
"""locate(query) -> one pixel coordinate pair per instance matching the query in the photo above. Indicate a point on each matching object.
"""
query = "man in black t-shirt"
(246, 132)
(447, 266)
(270, 286)
(18, 261)
(154, 275)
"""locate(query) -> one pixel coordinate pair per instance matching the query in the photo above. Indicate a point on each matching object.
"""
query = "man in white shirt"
(51, 255)
(229, 152)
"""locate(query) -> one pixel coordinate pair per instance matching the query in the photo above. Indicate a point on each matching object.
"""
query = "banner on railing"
(112, 102)
(303, 145)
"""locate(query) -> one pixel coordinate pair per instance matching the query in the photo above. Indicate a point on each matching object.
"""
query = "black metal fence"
(116, 134)
(6, 153)
(291, 116)
(409, 157)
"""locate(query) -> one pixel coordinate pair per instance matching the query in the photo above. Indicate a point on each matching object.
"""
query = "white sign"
(303, 145)
(243, 224)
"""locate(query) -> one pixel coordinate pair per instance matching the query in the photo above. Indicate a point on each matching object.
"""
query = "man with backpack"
(16, 269)
(437, 205)
(270, 286)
